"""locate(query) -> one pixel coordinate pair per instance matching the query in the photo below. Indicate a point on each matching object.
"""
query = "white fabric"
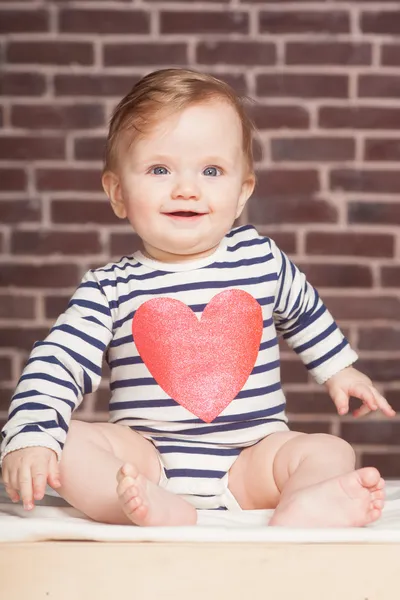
(54, 519)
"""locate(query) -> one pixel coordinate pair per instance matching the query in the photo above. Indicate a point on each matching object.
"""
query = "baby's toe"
(127, 470)
(124, 485)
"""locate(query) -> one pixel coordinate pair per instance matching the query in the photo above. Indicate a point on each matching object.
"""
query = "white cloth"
(54, 519)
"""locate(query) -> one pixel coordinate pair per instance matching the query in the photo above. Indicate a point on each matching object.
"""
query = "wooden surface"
(198, 571)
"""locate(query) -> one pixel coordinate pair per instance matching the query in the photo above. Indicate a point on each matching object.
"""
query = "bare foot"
(149, 505)
(351, 500)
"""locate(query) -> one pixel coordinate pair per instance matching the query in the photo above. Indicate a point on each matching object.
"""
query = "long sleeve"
(306, 324)
(60, 370)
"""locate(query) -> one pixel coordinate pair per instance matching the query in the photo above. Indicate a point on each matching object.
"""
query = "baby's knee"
(330, 445)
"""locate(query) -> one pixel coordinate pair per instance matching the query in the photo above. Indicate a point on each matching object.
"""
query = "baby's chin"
(180, 252)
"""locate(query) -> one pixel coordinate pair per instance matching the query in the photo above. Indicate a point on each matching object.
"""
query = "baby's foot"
(146, 504)
(351, 500)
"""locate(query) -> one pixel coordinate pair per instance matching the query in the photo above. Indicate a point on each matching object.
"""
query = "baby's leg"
(95, 455)
(310, 479)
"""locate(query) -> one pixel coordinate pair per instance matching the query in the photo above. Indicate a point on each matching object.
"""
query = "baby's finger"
(11, 492)
(361, 411)
(54, 472)
(341, 401)
(25, 486)
(364, 393)
(39, 478)
(383, 404)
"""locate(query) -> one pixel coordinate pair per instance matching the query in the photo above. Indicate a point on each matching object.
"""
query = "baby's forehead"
(208, 126)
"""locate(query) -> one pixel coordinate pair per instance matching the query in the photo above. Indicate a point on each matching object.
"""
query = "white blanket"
(54, 519)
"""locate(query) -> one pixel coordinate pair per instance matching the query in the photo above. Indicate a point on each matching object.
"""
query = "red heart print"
(201, 364)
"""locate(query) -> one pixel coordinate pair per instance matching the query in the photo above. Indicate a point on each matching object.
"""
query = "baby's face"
(185, 182)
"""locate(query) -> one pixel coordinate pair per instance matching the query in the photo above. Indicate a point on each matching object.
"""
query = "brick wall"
(326, 77)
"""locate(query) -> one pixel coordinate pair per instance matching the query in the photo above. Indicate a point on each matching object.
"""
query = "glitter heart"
(201, 364)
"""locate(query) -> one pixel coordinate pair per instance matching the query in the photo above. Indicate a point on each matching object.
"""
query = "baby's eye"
(159, 170)
(212, 171)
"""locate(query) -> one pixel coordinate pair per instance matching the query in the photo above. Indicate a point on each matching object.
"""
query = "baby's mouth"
(185, 214)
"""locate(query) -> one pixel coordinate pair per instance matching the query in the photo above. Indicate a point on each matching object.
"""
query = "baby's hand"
(350, 382)
(26, 472)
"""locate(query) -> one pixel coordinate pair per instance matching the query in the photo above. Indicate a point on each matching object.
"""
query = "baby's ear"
(112, 188)
(246, 191)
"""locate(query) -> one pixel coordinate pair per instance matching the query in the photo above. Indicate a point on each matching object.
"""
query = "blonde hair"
(170, 91)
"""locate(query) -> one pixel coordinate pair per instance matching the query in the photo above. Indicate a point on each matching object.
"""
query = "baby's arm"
(309, 328)
(60, 370)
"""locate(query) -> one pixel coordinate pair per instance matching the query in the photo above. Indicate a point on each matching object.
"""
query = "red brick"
(55, 305)
(371, 432)
(390, 276)
(141, 54)
(50, 53)
(284, 182)
(390, 55)
(368, 182)
(309, 402)
(350, 244)
(89, 148)
(379, 337)
(38, 276)
(280, 117)
(362, 308)
(103, 21)
(318, 149)
(236, 53)
(236, 80)
(293, 371)
(57, 116)
(21, 338)
(5, 397)
(94, 85)
(393, 397)
(374, 213)
(385, 22)
(82, 212)
(286, 240)
(22, 84)
(204, 22)
(85, 180)
(388, 463)
(31, 148)
(290, 209)
(1, 116)
(124, 244)
(379, 86)
(338, 276)
(23, 21)
(303, 21)
(328, 53)
(359, 117)
(5, 368)
(17, 307)
(382, 149)
(12, 179)
(19, 211)
(382, 370)
(55, 242)
(302, 85)
(310, 427)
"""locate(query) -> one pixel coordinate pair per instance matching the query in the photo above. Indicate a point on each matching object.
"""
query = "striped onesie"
(193, 354)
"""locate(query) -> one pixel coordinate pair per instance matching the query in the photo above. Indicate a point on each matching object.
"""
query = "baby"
(188, 326)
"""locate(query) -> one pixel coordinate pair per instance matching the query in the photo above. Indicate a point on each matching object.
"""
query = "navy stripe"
(184, 287)
(266, 367)
(84, 362)
(122, 362)
(79, 334)
(316, 363)
(194, 473)
(207, 430)
(305, 322)
(315, 340)
(90, 305)
(179, 449)
(249, 243)
(46, 377)
(37, 406)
